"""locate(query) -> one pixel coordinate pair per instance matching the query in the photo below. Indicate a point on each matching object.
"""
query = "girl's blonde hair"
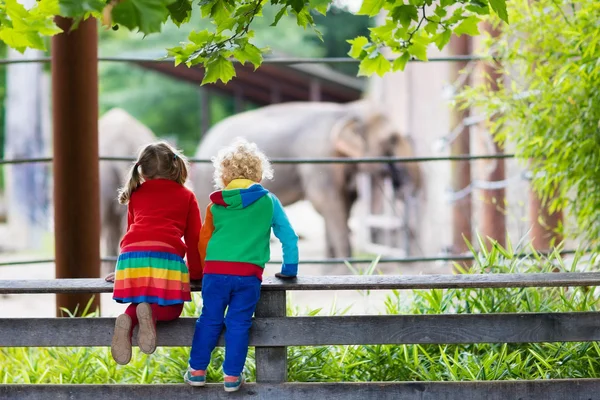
(240, 160)
(156, 160)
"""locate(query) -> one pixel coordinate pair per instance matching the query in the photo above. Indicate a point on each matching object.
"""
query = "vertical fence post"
(271, 362)
(76, 164)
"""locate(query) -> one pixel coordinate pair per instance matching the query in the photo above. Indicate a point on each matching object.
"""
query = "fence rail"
(324, 160)
(345, 282)
(329, 261)
(273, 331)
(274, 60)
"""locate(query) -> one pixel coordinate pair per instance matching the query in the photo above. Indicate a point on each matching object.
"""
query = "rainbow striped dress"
(146, 276)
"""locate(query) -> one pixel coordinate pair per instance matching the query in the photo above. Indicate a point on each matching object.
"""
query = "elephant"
(314, 130)
(119, 135)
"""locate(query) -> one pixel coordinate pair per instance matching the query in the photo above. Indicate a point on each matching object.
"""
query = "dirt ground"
(308, 225)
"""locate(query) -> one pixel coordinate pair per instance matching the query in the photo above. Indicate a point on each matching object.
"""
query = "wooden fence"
(272, 331)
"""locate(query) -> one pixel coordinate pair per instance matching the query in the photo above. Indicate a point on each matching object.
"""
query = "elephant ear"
(347, 138)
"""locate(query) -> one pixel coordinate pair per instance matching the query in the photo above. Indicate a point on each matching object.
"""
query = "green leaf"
(468, 26)
(419, 50)
(358, 46)
(440, 11)
(297, 5)
(249, 53)
(446, 3)
(320, 6)
(180, 11)
(405, 14)
(377, 64)
(384, 31)
(431, 27)
(279, 15)
(499, 6)
(442, 39)
(477, 9)
(200, 38)
(220, 12)
(400, 62)
(370, 7)
(145, 15)
(218, 69)
(303, 18)
(77, 8)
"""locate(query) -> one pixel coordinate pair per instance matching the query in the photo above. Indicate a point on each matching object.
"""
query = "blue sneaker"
(234, 386)
(194, 380)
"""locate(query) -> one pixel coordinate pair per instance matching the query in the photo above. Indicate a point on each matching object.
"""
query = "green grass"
(372, 362)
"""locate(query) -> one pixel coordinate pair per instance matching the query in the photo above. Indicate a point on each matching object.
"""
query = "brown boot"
(146, 331)
(120, 347)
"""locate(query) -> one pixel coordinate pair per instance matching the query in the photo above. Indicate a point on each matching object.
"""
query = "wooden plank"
(346, 282)
(271, 362)
(562, 389)
(314, 331)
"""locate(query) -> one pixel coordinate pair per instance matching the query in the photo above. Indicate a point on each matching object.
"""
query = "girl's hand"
(282, 276)
(110, 277)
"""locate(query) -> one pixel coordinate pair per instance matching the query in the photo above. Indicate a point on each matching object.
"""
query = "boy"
(234, 246)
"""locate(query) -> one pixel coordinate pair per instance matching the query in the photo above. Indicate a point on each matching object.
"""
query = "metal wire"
(278, 60)
(404, 260)
(326, 160)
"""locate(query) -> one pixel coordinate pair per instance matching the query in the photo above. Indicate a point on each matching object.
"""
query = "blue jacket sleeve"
(287, 236)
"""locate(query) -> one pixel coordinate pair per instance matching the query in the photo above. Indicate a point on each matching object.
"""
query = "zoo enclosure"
(84, 233)
(272, 331)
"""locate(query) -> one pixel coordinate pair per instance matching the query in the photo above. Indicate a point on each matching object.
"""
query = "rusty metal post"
(493, 216)
(76, 169)
(460, 170)
(544, 226)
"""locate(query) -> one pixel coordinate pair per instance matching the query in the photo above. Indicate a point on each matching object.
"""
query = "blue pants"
(240, 294)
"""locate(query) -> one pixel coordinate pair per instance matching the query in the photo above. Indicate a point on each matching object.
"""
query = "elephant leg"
(114, 230)
(331, 205)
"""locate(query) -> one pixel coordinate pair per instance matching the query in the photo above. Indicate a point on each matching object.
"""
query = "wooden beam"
(273, 334)
(344, 282)
(75, 162)
(546, 389)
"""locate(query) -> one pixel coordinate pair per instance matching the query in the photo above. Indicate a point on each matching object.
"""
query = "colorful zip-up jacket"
(234, 239)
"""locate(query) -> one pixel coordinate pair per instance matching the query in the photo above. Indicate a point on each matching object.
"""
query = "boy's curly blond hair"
(240, 160)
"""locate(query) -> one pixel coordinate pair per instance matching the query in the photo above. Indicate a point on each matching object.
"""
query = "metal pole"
(460, 170)
(76, 170)
(493, 219)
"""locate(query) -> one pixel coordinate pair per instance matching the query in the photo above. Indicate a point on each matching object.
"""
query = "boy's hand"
(282, 276)
(110, 277)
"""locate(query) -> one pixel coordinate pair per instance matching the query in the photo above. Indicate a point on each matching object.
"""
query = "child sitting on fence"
(151, 273)
(234, 248)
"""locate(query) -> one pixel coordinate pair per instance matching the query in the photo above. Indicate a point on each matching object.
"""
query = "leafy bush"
(372, 362)
(546, 104)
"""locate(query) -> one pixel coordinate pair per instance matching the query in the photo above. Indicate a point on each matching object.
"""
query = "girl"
(234, 247)
(151, 273)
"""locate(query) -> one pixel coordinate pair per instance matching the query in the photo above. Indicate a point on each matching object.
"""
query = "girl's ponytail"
(134, 181)
(180, 164)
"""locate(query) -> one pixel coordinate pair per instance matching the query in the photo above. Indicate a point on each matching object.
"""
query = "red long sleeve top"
(162, 210)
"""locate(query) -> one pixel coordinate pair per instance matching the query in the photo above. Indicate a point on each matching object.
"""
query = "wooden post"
(493, 218)
(205, 117)
(275, 94)
(271, 362)
(315, 90)
(460, 170)
(76, 169)
(239, 100)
